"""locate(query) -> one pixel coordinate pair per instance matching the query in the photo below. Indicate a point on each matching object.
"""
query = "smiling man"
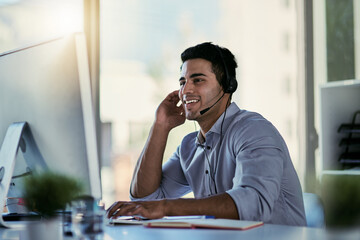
(238, 165)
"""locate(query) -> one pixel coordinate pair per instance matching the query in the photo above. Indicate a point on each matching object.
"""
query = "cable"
(213, 170)
(212, 176)
(221, 133)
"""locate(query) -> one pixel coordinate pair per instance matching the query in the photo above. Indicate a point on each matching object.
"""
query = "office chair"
(314, 210)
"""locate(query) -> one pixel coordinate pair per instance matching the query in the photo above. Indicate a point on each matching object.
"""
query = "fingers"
(174, 93)
(173, 97)
(146, 209)
(112, 209)
(123, 209)
(171, 104)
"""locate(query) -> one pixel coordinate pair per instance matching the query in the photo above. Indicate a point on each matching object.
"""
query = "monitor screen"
(47, 85)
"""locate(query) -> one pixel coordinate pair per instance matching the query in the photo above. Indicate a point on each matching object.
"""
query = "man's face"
(199, 88)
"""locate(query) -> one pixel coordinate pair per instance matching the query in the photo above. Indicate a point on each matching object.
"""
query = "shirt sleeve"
(173, 182)
(259, 167)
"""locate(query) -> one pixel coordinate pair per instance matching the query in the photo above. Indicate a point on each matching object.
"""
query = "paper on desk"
(126, 220)
(140, 220)
(204, 223)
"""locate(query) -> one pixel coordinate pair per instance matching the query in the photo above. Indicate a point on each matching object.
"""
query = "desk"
(268, 232)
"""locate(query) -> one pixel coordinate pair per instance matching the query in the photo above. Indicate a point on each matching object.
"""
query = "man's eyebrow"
(194, 75)
(197, 75)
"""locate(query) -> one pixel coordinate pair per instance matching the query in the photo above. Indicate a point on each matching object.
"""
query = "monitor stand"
(18, 135)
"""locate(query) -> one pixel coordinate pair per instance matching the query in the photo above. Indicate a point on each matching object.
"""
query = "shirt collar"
(230, 112)
(216, 128)
(199, 139)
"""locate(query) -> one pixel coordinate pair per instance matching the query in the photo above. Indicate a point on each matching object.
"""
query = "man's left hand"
(146, 209)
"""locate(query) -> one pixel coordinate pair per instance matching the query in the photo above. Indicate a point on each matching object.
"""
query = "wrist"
(166, 204)
(175, 207)
(161, 127)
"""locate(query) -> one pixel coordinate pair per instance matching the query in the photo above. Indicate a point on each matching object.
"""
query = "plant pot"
(45, 230)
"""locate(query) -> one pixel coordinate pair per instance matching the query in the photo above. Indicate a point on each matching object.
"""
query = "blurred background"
(284, 49)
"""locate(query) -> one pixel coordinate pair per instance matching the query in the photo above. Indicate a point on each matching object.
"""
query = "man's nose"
(188, 87)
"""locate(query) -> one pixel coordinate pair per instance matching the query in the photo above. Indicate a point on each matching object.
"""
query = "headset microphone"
(202, 112)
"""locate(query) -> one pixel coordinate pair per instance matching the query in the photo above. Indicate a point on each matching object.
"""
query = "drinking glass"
(87, 220)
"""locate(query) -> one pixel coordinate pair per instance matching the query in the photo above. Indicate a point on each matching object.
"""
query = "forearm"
(147, 174)
(219, 206)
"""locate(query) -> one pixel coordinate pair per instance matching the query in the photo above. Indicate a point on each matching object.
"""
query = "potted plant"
(341, 199)
(47, 193)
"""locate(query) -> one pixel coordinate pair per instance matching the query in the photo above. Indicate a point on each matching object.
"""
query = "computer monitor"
(47, 85)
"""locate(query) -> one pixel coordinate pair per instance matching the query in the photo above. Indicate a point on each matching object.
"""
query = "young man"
(238, 166)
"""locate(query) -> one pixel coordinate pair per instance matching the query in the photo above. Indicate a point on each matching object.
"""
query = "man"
(237, 165)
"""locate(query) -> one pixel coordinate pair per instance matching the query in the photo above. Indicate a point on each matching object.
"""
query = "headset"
(230, 84)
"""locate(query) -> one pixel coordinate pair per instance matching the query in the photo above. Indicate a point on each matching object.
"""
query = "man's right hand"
(168, 114)
(147, 173)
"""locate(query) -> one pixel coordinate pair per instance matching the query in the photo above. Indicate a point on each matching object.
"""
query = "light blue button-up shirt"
(250, 162)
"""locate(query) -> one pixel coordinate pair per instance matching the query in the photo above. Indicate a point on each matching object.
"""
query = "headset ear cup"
(232, 85)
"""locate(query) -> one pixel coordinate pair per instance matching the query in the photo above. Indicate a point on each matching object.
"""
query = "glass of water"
(87, 219)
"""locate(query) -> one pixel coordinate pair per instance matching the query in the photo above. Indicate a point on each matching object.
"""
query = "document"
(126, 220)
(140, 220)
(228, 224)
(196, 221)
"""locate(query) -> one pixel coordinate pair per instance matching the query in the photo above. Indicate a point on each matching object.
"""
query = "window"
(25, 22)
(141, 42)
(340, 40)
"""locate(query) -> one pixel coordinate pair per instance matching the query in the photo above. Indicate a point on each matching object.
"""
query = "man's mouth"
(191, 101)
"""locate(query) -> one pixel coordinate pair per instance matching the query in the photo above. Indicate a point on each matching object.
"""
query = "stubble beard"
(192, 116)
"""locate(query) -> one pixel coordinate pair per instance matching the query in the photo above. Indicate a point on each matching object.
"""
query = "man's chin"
(191, 116)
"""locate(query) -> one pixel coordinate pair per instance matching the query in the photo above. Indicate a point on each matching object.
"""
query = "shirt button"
(206, 172)
(208, 147)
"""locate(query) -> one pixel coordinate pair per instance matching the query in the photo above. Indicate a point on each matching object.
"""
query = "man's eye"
(197, 80)
(182, 83)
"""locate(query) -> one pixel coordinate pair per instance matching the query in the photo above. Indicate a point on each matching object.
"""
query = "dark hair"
(211, 53)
